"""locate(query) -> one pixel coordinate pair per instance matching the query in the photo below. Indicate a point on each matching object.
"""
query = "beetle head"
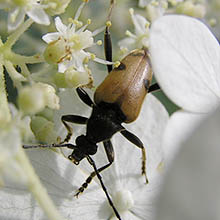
(83, 148)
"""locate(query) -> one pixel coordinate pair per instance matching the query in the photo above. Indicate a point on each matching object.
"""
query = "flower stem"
(18, 32)
(5, 115)
(37, 189)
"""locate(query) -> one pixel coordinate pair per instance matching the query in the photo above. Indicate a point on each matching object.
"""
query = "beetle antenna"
(92, 162)
(112, 2)
(70, 146)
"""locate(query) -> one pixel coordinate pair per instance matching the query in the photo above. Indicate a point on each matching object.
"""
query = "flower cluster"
(154, 10)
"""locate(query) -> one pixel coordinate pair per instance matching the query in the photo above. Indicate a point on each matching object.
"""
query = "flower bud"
(43, 129)
(60, 80)
(50, 97)
(188, 8)
(56, 6)
(56, 51)
(76, 78)
(31, 100)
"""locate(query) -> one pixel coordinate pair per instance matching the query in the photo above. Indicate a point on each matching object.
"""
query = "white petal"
(10, 168)
(20, 14)
(145, 199)
(62, 67)
(127, 42)
(62, 28)
(139, 24)
(179, 127)
(38, 15)
(128, 216)
(61, 179)
(185, 58)
(191, 188)
(50, 37)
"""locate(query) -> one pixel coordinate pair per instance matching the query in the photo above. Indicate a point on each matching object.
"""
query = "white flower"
(195, 9)
(140, 37)
(76, 78)
(69, 45)
(191, 187)
(35, 98)
(132, 197)
(156, 9)
(185, 58)
(18, 9)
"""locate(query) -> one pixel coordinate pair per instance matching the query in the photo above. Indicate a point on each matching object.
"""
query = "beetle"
(118, 99)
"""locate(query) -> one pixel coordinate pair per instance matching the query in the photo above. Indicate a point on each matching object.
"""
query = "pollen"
(117, 63)
(99, 42)
(108, 24)
(92, 56)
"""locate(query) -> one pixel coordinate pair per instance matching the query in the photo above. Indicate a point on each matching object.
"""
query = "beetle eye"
(71, 158)
(76, 157)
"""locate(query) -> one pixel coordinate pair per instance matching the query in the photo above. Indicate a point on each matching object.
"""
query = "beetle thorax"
(103, 123)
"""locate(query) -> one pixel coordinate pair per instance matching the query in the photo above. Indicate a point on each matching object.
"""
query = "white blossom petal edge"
(17, 11)
(185, 58)
(191, 187)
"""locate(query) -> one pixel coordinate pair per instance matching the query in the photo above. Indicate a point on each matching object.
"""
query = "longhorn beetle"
(117, 99)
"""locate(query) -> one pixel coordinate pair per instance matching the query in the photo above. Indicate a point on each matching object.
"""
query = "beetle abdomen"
(126, 84)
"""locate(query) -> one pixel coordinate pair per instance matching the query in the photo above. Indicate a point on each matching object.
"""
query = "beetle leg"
(153, 88)
(92, 162)
(110, 155)
(136, 141)
(83, 95)
(109, 150)
(73, 119)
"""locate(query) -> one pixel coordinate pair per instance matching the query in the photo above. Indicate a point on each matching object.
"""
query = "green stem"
(5, 115)
(18, 32)
(37, 58)
(37, 189)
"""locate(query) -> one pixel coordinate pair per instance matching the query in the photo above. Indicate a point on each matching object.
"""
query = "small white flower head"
(56, 7)
(141, 36)
(67, 46)
(190, 8)
(43, 129)
(33, 99)
(50, 97)
(17, 9)
(22, 123)
(76, 78)
(156, 9)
